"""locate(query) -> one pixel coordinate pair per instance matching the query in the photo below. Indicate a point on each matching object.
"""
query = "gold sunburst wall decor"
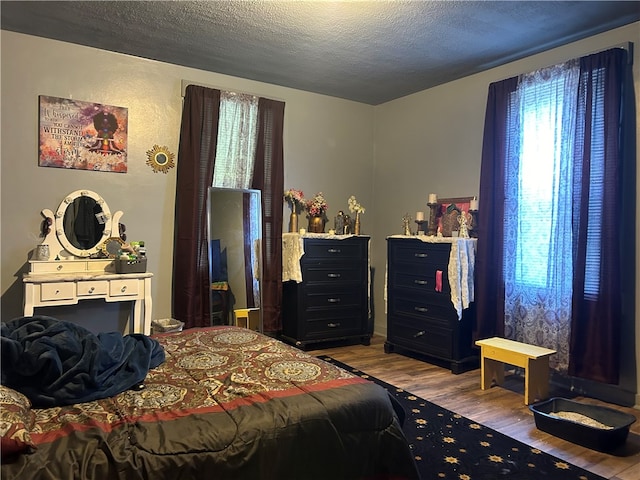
(160, 159)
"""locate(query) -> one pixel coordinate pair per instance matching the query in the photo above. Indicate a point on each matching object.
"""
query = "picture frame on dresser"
(447, 213)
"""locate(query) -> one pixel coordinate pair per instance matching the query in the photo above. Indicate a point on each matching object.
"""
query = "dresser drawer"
(321, 297)
(349, 323)
(424, 281)
(57, 291)
(338, 251)
(418, 253)
(423, 308)
(425, 337)
(333, 274)
(99, 287)
(123, 288)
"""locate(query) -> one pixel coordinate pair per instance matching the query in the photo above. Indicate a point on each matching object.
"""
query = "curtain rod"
(185, 83)
(628, 46)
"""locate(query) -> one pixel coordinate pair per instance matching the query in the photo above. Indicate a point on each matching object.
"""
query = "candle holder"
(473, 231)
(422, 226)
(433, 207)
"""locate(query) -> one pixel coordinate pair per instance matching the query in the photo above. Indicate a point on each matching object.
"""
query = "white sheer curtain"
(538, 266)
(237, 137)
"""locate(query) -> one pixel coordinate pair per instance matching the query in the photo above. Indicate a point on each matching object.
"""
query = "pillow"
(16, 421)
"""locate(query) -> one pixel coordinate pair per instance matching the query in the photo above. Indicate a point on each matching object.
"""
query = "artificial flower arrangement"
(317, 206)
(295, 198)
(354, 206)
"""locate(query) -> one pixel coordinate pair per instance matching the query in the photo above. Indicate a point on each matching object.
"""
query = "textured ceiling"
(367, 51)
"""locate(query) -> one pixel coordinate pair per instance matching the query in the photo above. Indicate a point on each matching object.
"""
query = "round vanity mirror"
(83, 223)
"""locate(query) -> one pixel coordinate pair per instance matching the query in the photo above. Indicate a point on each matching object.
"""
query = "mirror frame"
(155, 158)
(257, 270)
(59, 223)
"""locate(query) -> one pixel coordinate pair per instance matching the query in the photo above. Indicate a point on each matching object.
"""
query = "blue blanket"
(55, 363)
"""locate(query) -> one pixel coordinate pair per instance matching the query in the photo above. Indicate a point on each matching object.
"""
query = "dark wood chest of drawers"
(420, 315)
(332, 301)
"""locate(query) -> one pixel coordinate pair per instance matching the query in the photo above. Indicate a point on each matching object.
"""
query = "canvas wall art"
(82, 135)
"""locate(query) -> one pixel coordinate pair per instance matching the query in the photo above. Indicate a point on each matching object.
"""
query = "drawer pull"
(421, 255)
(59, 267)
(333, 300)
(420, 282)
(333, 275)
(123, 289)
(419, 334)
(421, 309)
(91, 289)
(334, 250)
(333, 325)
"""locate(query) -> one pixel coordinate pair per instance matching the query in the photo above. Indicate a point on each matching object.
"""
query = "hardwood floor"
(501, 408)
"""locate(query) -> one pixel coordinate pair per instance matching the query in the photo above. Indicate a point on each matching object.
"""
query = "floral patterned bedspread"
(227, 403)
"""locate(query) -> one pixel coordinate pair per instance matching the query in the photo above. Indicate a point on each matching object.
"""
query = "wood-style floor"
(501, 408)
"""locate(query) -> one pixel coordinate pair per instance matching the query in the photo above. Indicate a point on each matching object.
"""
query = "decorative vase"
(356, 225)
(293, 217)
(316, 224)
(293, 221)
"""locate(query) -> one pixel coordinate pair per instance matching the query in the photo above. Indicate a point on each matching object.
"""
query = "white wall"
(328, 147)
(432, 141)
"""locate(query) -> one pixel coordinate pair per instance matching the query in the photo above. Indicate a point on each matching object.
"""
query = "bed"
(227, 403)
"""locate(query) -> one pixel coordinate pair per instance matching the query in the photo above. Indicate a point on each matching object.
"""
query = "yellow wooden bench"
(495, 352)
(247, 318)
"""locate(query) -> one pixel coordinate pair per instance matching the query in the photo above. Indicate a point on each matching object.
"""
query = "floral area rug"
(448, 446)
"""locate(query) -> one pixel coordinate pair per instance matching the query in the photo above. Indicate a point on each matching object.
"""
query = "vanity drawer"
(123, 288)
(57, 291)
(58, 267)
(93, 288)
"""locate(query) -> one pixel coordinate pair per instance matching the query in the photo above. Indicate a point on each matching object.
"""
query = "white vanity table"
(69, 276)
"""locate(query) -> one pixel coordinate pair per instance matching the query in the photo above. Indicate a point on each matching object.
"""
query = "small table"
(495, 352)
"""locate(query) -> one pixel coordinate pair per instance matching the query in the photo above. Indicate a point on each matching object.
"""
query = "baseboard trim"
(601, 391)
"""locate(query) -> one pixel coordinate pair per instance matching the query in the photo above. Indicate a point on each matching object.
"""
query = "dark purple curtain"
(596, 318)
(489, 284)
(268, 176)
(196, 158)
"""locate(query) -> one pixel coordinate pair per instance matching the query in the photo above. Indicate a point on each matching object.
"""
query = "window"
(237, 137)
(559, 208)
(541, 177)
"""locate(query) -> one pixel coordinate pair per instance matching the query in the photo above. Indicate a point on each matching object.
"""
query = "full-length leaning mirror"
(235, 260)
